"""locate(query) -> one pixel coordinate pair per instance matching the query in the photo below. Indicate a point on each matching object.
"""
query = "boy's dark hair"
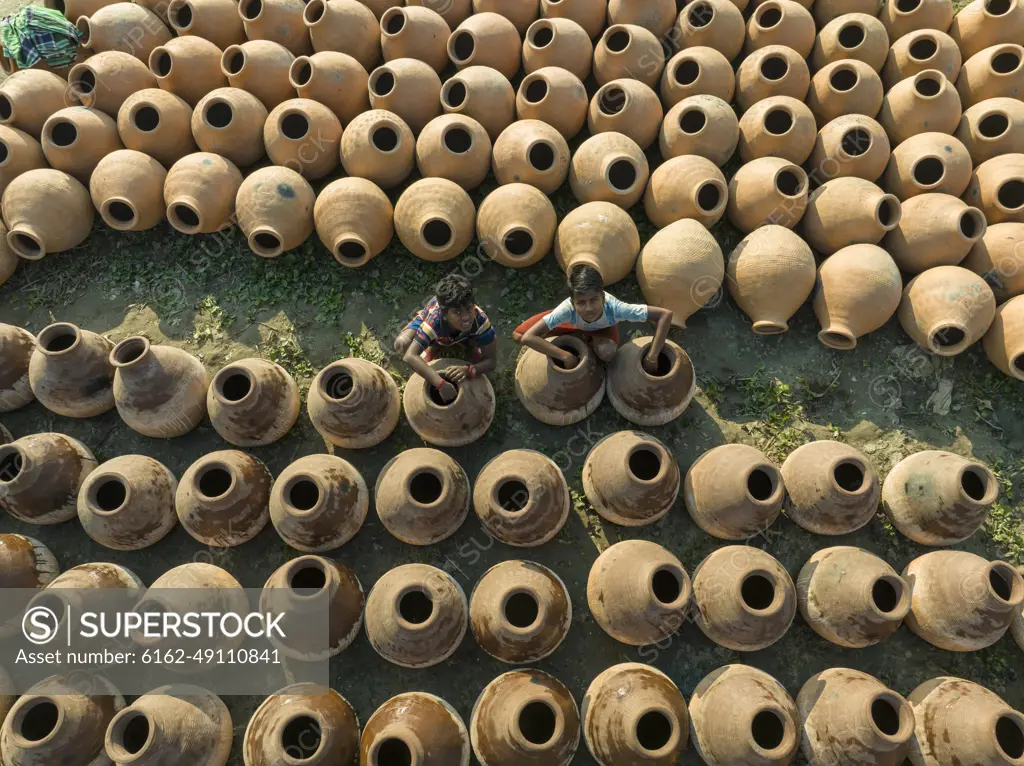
(454, 291)
(585, 279)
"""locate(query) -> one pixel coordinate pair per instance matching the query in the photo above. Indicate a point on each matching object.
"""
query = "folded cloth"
(36, 34)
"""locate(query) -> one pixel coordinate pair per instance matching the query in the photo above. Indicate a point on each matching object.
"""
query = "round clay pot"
(844, 87)
(1002, 342)
(521, 498)
(200, 191)
(697, 71)
(775, 70)
(920, 50)
(344, 26)
(851, 145)
(777, 126)
(72, 9)
(716, 24)
(852, 36)
(415, 32)
(520, 612)
(40, 476)
(20, 153)
(16, 347)
(188, 67)
(106, 79)
(831, 488)
(312, 722)
(157, 123)
(128, 503)
(680, 268)
(252, 402)
(589, 15)
(531, 152)
(946, 309)
(127, 188)
(336, 80)
(609, 167)
(934, 230)
(519, 13)
(222, 498)
(983, 23)
(379, 7)
(422, 496)
(852, 597)
(996, 188)
(733, 491)
(303, 135)
(928, 162)
(354, 219)
(770, 274)
(454, 147)
(415, 725)
(75, 139)
(556, 395)
(96, 575)
(274, 209)
(318, 503)
(230, 122)
(840, 699)
(685, 187)
(781, 22)
(486, 39)
(766, 191)
(516, 225)
(628, 107)
(924, 103)
(160, 391)
(556, 97)
(416, 617)
(631, 479)
(46, 211)
(995, 257)
(848, 211)
(638, 592)
(214, 20)
(454, 12)
(858, 290)
(126, 27)
(992, 127)
(260, 67)
(279, 21)
(26, 563)
(626, 50)
(645, 398)
(959, 601)
(827, 10)
(353, 403)
(995, 72)
(901, 18)
(29, 97)
(702, 125)
(410, 89)
(656, 16)
(70, 371)
(482, 93)
(378, 146)
(611, 247)
(558, 43)
(435, 219)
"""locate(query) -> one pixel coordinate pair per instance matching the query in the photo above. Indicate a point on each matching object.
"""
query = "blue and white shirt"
(615, 311)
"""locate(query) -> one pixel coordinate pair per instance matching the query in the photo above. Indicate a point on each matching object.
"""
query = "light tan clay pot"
(844, 87)
(827, 10)
(920, 50)
(279, 21)
(733, 491)
(454, 12)
(983, 23)
(378, 7)
(767, 191)
(609, 167)
(556, 395)
(996, 188)
(946, 309)
(260, 67)
(70, 371)
(415, 32)
(415, 725)
(601, 235)
(631, 479)
(901, 18)
(997, 259)
(845, 309)
(558, 43)
(831, 488)
(781, 22)
(42, 474)
(96, 575)
(230, 122)
(422, 496)
(200, 191)
(851, 36)
(344, 26)
(556, 97)
(127, 27)
(75, 8)
(924, 103)
(215, 20)
(335, 79)
(409, 88)
(222, 498)
(716, 24)
(188, 67)
(521, 498)
(75, 139)
(777, 126)
(992, 127)
(128, 503)
(106, 79)
(46, 211)
(656, 16)
(354, 219)
(486, 39)
(516, 225)
(685, 187)
(9, 260)
(697, 71)
(680, 268)
(378, 146)
(353, 403)
(626, 50)
(531, 152)
(519, 13)
(482, 93)
(934, 230)
(848, 211)
(274, 209)
(851, 145)
(589, 15)
(702, 125)
(454, 147)
(29, 97)
(628, 107)
(252, 402)
(20, 153)
(435, 219)
(157, 123)
(1003, 342)
(312, 722)
(457, 423)
(995, 72)
(770, 72)
(127, 188)
(770, 274)
(928, 162)
(303, 135)
(16, 347)
(26, 563)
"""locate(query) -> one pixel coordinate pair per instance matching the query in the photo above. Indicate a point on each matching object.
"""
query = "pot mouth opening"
(668, 359)
(160, 62)
(617, 39)
(758, 591)
(948, 340)
(233, 385)
(392, 750)
(303, 494)
(907, 6)
(762, 483)
(668, 586)
(302, 739)
(850, 476)
(86, 31)
(454, 94)
(129, 351)
(994, 125)
(512, 495)
(82, 81)
(1009, 734)
(1007, 60)
(541, 156)
(38, 721)
(1005, 583)
(622, 175)
(768, 15)
(214, 481)
(385, 138)
(307, 576)
(693, 121)
(701, 14)
(234, 58)
(518, 243)
(774, 68)
(768, 730)
(314, 11)
(928, 172)
(25, 244)
(574, 346)
(521, 610)
(265, 243)
(58, 338)
(392, 22)
(108, 494)
(184, 217)
(434, 396)
(535, 88)
(12, 463)
(62, 133)
(538, 723)
(301, 71)
(927, 84)
(457, 139)
(540, 34)
(998, 7)
(887, 715)
(656, 732)
(888, 212)
(131, 734)
(426, 487)
(612, 100)
(887, 594)
(972, 224)
(437, 234)
(923, 48)
(294, 125)
(119, 213)
(791, 181)
(645, 463)
(855, 142)
(1010, 194)
(179, 13)
(415, 607)
(842, 341)
(711, 196)
(778, 121)
(686, 72)
(462, 46)
(382, 82)
(843, 79)
(351, 252)
(251, 10)
(145, 118)
(851, 35)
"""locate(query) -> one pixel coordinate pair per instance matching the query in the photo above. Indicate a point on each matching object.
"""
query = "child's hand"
(455, 373)
(649, 364)
(447, 391)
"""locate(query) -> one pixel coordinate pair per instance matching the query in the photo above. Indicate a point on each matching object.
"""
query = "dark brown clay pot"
(556, 395)
(40, 476)
(222, 498)
(16, 347)
(252, 402)
(354, 403)
(302, 722)
(25, 563)
(831, 488)
(415, 727)
(457, 423)
(200, 192)
(521, 498)
(733, 492)
(70, 372)
(650, 399)
(422, 496)
(631, 478)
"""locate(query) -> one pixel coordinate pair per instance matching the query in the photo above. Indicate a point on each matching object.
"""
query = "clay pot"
(312, 722)
(844, 87)
(188, 67)
(454, 12)
(8, 258)
(852, 597)
(260, 67)
(858, 290)
(318, 503)
(415, 32)
(629, 51)
(127, 188)
(415, 725)
(777, 126)
(95, 575)
(252, 402)
(516, 225)
(934, 230)
(72, 9)
(766, 191)
(230, 122)
(336, 80)
(454, 147)
(222, 498)
(553, 96)
(840, 699)
(156, 123)
(831, 488)
(274, 209)
(126, 27)
(686, 187)
(995, 72)
(128, 503)
(558, 43)
(772, 71)
(1017, 628)
(435, 219)
(1002, 342)
(106, 79)
(422, 496)
(416, 617)
(920, 50)
(924, 103)
(344, 26)
(987, 728)
(716, 24)
(901, 18)
(609, 167)
(997, 259)
(702, 125)
(481, 93)
(215, 20)
(25, 562)
(946, 309)
(46, 211)
(611, 248)
(959, 601)
(556, 395)
(75, 139)
(991, 128)
(733, 491)
(996, 188)
(16, 346)
(983, 23)
(520, 612)
(827, 10)
(657, 16)
(70, 371)
(354, 219)
(938, 498)
(694, 72)
(928, 162)
(279, 21)
(29, 97)
(354, 403)
(848, 211)
(630, 478)
(650, 399)
(628, 107)
(531, 152)
(638, 592)
(303, 135)
(781, 22)
(200, 192)
(378, 146)
(852, 36)
(851, 145)
(19, 152)
(521, 498)
(589, 15)
(41, 475)
(410, 89)
(486, 39)
(379, 7)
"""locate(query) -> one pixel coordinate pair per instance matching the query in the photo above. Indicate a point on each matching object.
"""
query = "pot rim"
(58, 328)
(297, 478)
(421, 470)
(670, 747)
(283, 754)
(97, 480)
(229, 371)
(117, 726)
(23, 707)
(539, 622)
(542, 698)
(127, 345)
(206, 467)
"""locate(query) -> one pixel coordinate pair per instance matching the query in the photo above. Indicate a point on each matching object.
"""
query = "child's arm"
(415, 361)
(663, 319)
(458, 373)
(534, 338)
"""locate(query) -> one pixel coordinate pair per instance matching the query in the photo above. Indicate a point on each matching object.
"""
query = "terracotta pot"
(920, 50)
(454, 147)
(95, 575)
(781, 22)
(126, 27)
(685, 187)
(16, 347)
(638, 592)
(858, 290)
(156, 123)
(128, 503)
(733, 491)
(106, 79)
(519, 13)
(415, 32)
(831, 488)
(378, 7)
(702, 125)
(959, 601)
(928, 162)
(1017, 628)
(215, 20)
(260, 67)
(992, 127)
(768, 72)
(1002, 342)
(313, 722)
(520, 612)
(848, 211)
(486, 39)
(901, 18)
(844, 87)
(336, 80)
(72, 9)
(558, 43)
(415, 725)
(553, 96)
(222, 498)
(318, 503)
(680, 268)
(716, 24)
(697, 71)
(521, 498)
(611, 248)
(935, 230)
(75, 139)
(631, 479)
(422, 496)
(766, 191)
(279, 21)
(303, 135)
(344, 26)
(840, 699)
(230, 122)
(650, 399)
(626, 50)
(555, 395)
(41, 475)
(127, 188)
(435, 219)
(983, 23)
(19, 152)
(851, 145)
(947, 703)
(454, 12)
(609, 167)
(827, 10)
(627, 107)
(29, 97)
(995, 72)
(378, 146)
(516, 225)
(252, 402)
(852, 597)
(924, 103)
(46, 211)
(410, 89)
(180, 721)
(26, 563)
(8, 258)
(188, 67)
(997, 258)
(588, 14)
(482, 93)
(777, 126)
(200, 192)
(274, 208)
(531, 152)
(741, 714)
(996, 188)
(946, 309)
(656, 16)
(70, 371)
(416, 617)
(354, 219)
(851, 36)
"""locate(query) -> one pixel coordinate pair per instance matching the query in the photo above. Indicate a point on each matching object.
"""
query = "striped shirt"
(430, 328)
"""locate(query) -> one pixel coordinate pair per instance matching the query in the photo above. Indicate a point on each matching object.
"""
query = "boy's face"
(460, 318)
(589, 305)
